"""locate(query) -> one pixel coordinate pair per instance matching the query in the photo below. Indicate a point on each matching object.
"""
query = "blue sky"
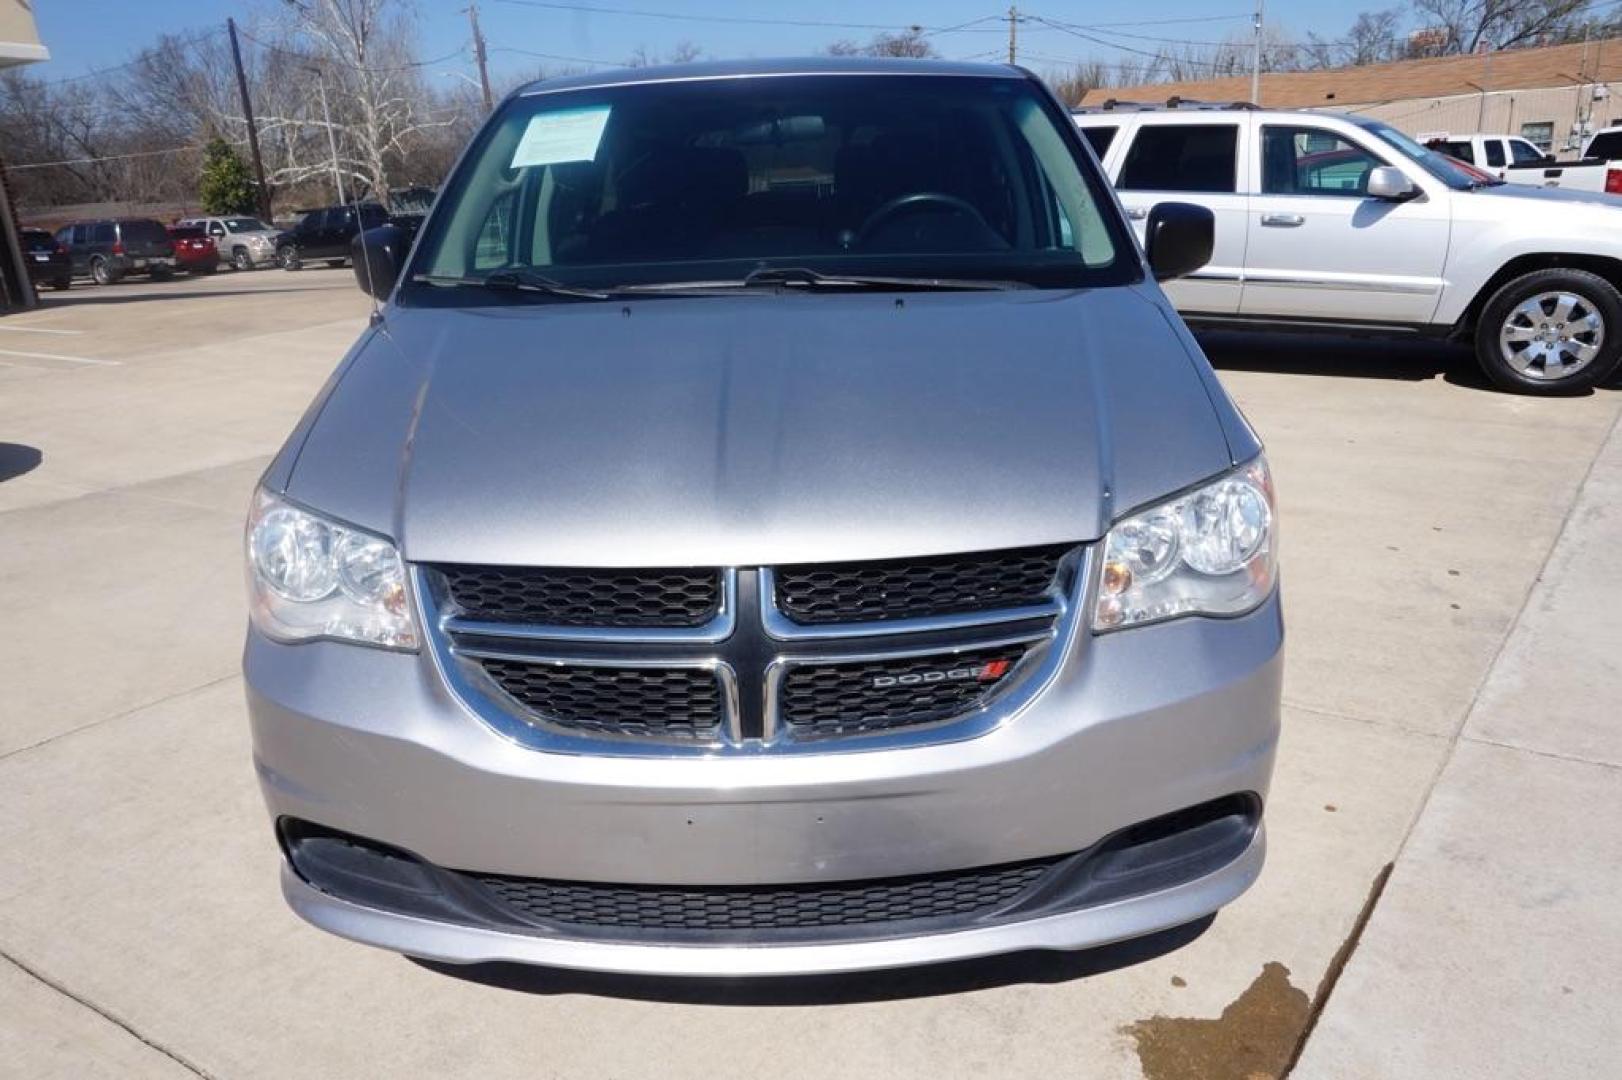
(85, 35)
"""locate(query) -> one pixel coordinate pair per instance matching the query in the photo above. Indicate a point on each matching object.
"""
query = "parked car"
(1341, 223)
(325, 234)
(1518, 161)
(243, 242)
(783, 529)
(109, 249)
(194, 249)
(48, 261)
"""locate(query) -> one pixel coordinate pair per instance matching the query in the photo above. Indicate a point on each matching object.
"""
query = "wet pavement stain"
(1254, 1038)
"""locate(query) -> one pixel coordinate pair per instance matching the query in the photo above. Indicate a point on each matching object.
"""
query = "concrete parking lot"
(1444, 841)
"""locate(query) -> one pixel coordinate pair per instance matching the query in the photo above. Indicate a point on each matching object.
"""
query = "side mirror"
(1179, 238)
(1390, 183)
(378, 254)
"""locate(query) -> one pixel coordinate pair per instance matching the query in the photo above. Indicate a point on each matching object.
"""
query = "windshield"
(1448, 170)
(244, 224)
(707, 180)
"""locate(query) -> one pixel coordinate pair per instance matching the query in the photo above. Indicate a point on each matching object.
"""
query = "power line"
(312, 58)
(558, 57)
(105, 157)
(193, 38)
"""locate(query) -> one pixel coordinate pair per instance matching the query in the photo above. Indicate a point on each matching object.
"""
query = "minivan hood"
(759, 429)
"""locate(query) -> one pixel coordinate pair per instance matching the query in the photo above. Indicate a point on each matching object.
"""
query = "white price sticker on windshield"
(553, 138)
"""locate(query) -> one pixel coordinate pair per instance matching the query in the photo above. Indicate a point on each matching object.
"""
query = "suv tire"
(241, 259)
(287, 256)
(1561, 320)
(101, 273)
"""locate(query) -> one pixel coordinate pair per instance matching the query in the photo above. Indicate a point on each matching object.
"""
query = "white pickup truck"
(1518, 161)
(1336, 222)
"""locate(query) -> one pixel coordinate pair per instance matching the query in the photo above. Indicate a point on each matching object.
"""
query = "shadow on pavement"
(16, 459)
(1341, 357)
(110, 294)
(932, 980)
(1408, 359)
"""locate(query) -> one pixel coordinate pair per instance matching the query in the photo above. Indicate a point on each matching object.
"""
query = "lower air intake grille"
(605, 598)
(822, 593)
(881, 695)
(669, 703)
(767, 907)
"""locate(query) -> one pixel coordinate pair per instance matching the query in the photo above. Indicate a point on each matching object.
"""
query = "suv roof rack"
(1173, 102)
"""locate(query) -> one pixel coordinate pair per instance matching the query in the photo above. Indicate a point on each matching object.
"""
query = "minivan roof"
(743, 69)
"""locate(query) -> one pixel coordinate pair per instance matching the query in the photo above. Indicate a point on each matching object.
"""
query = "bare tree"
(685, 52)
(1465, 26)
(362, 51)
(910, 43)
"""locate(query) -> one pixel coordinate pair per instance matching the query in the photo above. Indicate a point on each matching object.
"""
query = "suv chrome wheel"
(1552, 335)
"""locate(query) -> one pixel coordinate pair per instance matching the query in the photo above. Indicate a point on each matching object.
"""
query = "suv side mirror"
(1179, 238)
(1390, 183)
(378, 254)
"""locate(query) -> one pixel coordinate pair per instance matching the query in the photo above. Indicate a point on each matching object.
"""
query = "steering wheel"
(905, 203)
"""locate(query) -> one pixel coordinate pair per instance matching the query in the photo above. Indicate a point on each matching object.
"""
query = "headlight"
(310, 577)
(1210, 551)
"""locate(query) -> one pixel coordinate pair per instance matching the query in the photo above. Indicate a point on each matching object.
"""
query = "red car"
(194, 249)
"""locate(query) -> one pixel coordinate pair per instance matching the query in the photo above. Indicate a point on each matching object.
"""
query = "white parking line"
(65, 359)
(37, 330)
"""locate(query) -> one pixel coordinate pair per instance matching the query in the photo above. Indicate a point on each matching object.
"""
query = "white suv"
(1338, 222)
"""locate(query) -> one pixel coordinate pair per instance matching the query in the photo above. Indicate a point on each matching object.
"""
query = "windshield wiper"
(801, 275)
(516, 281)
(804, 276)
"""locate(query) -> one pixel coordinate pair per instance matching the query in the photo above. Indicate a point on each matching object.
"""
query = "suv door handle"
(1283, 221)
(1136, 213)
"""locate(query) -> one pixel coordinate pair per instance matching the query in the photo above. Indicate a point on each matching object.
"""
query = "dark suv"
(111, 248)
(47, 260)
(326, 233)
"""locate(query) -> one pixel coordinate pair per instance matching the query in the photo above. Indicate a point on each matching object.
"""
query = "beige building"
(1552, 96)
(19, 44)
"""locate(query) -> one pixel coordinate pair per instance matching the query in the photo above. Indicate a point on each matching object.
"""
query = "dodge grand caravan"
(774, 524)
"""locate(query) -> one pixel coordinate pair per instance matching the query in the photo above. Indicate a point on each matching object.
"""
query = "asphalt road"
(1451, 662)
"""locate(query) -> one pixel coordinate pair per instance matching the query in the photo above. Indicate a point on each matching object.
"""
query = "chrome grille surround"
(750, 647)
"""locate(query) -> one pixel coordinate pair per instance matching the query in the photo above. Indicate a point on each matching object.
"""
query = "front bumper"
(1135, 725)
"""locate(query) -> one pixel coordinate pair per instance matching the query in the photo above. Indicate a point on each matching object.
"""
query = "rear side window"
(1461, 150)
(143, 231)
(1607, 145)
(1182, 157)
(1099, 138)
(102, 234)
(1495, 151)
(1524, 153)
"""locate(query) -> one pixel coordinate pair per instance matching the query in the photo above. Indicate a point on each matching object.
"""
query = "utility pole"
(1013, 40)
(478, 53)
(253, 130)
(332, 139)
(1256, 59)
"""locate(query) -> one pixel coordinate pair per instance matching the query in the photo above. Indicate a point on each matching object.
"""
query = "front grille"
(604, 598)
(669, 703)
(693, 661)
(881, 695)
(913, 588)
(767, 908)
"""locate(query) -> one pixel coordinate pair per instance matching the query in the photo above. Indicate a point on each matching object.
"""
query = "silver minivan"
(774, 524)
